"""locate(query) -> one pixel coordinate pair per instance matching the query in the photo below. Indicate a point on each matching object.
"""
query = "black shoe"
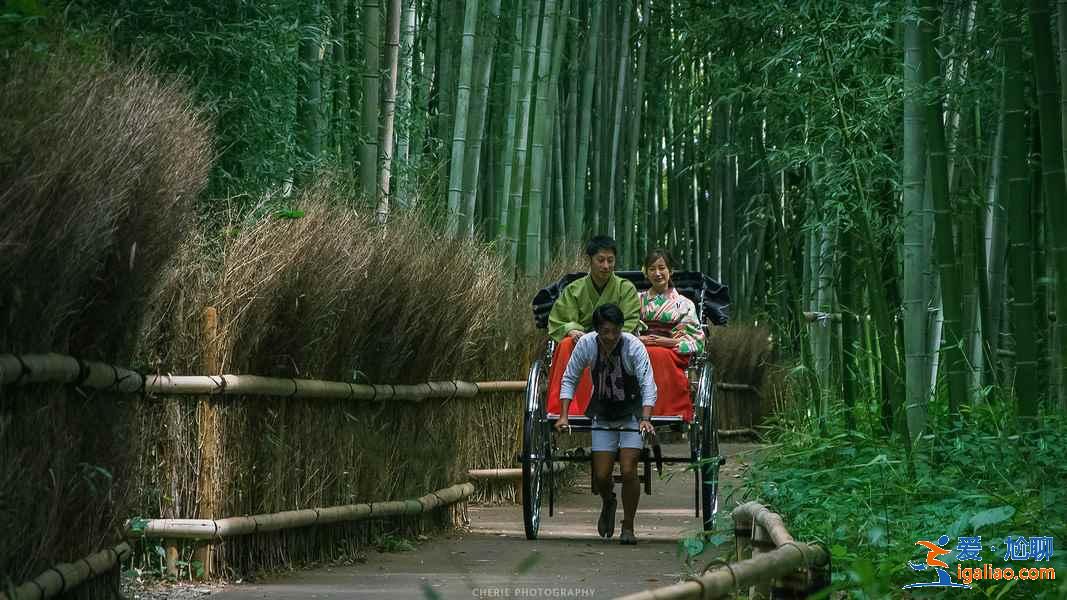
(606, 524)
(627, 537)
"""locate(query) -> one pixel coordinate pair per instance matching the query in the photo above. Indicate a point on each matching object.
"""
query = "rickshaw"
(540, 454)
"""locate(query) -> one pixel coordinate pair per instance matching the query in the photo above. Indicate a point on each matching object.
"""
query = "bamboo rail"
(508, 473)
(781, 561)
(59, 368)
(217, 529)
(66, 576)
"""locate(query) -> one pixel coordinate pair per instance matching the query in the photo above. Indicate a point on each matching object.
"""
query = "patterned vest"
(616, 394)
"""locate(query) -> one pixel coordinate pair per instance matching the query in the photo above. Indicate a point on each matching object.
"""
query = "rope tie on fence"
(292, 394)
(83, 372)
(696, 580)
(455, 389)
(92, 573)
(62, 579)
(392, 390)
(374, 396)
(40, 590)
(24, 370)
(733, 576)
(220, 385)
(351, 392)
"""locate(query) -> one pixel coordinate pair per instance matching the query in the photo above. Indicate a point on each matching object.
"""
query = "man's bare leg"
(631, 486)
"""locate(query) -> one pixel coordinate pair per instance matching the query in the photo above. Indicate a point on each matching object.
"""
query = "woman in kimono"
(671, 332)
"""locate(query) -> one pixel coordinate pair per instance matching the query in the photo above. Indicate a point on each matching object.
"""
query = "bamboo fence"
(208, 529)
(59, 368)
(66, 576)
(777, 561)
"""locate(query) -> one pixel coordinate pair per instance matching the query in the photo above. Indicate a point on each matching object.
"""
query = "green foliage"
(241, 61)
(869, 504)
(390, 542)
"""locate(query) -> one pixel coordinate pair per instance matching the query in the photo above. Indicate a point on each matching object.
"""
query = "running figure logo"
(935, 563)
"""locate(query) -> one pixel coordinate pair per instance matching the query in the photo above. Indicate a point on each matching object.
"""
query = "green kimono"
(575, 306)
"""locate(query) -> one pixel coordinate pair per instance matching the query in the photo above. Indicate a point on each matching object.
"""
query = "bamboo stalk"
(59, 368)
(66, 576)
(208, 529)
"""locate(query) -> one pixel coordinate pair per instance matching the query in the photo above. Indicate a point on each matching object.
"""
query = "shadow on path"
(569, 560)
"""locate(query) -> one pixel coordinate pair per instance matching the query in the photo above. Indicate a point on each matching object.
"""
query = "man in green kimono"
(572, 313)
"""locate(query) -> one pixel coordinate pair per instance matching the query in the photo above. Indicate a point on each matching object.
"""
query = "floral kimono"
(672, 315)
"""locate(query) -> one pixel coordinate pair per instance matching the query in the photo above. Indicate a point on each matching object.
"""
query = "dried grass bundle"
(99, 170)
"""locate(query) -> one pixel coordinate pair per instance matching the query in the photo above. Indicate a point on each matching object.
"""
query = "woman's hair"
(656, 254)
(607, 313)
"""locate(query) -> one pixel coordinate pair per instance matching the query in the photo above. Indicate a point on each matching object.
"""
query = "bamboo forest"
(284, 289)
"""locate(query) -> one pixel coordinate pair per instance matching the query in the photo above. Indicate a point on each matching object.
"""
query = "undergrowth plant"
(869, 504)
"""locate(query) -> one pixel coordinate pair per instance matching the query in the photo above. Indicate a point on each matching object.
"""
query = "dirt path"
(568, 561)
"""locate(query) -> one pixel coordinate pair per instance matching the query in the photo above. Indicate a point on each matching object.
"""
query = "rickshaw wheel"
(534, 449)
(705, 447)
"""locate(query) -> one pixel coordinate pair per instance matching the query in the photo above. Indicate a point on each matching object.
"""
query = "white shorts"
(611, 441)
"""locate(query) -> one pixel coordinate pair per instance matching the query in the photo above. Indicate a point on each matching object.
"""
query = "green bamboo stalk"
(1052, 162)
(878, 291)
(508, 147)
(542, 137)
(620, 102)
(426, 93)
(408, 18)
(1017, 199)
(518, 176)
(916, 347)
(309, 97)
(575, 230)
(559, 224)
(459, 130)
(472, 168)
(392, 55)
(341, 142)
(947, 256)
(578, 224)
(368, 172)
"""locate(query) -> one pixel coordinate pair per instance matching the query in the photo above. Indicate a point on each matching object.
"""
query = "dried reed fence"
(103, 258)
(770, 563)
(741, 354)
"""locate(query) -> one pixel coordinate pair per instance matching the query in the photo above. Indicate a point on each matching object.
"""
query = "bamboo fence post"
(171, 564)
(761, 544)
(742, 535)
(209, 432)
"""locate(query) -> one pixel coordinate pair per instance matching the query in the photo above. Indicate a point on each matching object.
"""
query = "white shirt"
(634, 362)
